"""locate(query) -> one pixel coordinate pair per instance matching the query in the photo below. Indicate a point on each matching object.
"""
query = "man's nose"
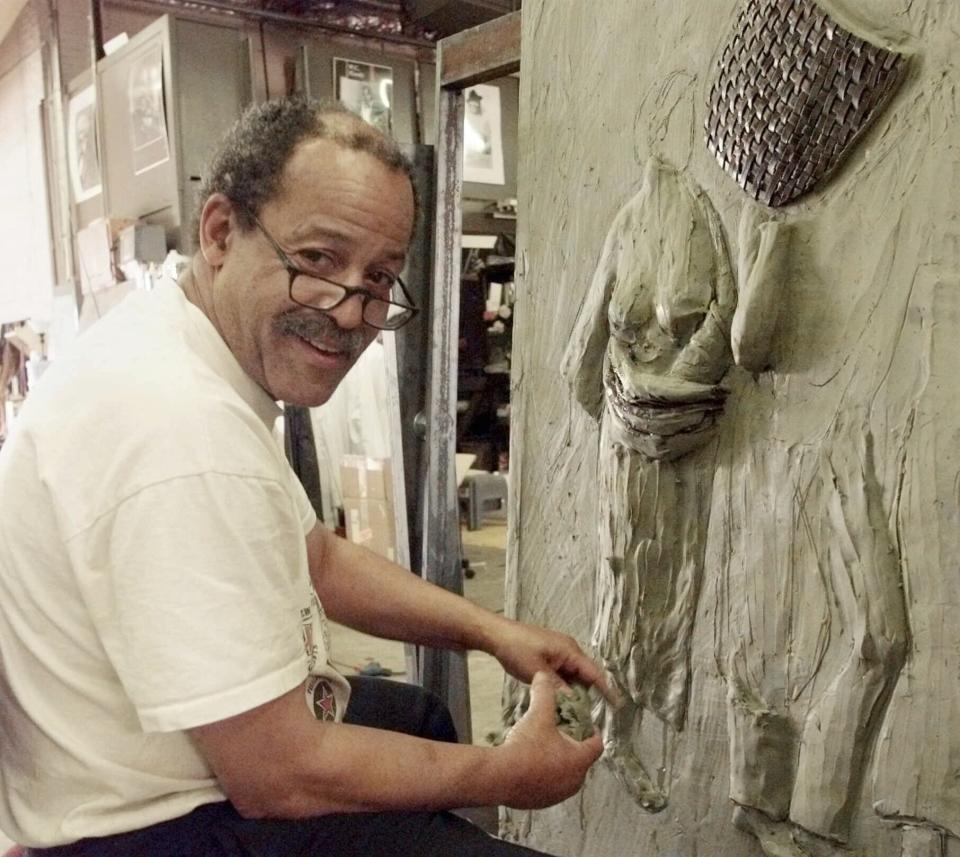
(349, 314)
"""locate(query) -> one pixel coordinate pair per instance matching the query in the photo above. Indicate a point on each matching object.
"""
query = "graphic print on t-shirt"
(313, 631)
(322, 699)
(326, 692)
(309, 641)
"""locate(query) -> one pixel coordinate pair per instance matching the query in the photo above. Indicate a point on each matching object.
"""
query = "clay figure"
(807, 810)
(649, 349)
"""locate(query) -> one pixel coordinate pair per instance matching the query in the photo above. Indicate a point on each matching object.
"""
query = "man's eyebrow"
(307, 230)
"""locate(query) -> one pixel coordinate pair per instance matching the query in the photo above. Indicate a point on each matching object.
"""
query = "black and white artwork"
(82, 145)
(482, 137)
(367, 90)
(148, 124)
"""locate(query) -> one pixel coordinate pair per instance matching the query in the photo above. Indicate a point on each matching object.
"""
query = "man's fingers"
(543, 695)
(610, 692)
(589, 674)
(594, 745)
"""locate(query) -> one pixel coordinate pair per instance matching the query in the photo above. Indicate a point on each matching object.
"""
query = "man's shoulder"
(125, 412)
(127, 369)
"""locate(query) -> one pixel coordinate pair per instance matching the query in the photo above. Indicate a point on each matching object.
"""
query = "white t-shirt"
(153, 575)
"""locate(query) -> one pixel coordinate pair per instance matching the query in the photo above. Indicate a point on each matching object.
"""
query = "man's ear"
(216, 226)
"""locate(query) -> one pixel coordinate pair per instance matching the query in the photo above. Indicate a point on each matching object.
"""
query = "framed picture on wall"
(482, 137)
(365, 89)
(83, 147)
(148, 122)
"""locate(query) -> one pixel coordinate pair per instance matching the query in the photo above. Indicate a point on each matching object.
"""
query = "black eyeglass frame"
(348, 291)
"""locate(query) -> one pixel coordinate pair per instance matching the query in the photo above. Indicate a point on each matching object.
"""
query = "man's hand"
(542, 766)
(525, 650)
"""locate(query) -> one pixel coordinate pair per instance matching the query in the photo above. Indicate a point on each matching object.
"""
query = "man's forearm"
(360, 589)
(277, 761)
(314, 768)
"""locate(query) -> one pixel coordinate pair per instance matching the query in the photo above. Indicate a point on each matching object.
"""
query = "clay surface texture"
(737, 427)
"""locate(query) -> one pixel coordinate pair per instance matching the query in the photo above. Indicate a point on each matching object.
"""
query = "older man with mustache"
(164, 582)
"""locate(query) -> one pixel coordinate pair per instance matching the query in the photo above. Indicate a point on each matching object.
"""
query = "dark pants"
(217, 830)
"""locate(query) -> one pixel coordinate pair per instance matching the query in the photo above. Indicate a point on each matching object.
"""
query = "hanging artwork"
(148, 124)
(482, 137)
(83, 146)
(367, 90)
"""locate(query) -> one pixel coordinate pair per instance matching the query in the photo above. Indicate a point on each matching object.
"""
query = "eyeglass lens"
(324, 295)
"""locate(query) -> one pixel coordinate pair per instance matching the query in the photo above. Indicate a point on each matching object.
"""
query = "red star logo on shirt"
(324, 702)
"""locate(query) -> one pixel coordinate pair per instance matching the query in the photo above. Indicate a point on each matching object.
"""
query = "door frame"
(477, 55)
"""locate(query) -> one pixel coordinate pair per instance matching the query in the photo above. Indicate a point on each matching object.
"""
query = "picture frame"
(367, 90)
(482, 135)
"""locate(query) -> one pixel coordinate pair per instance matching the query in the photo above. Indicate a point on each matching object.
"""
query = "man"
(164, 672)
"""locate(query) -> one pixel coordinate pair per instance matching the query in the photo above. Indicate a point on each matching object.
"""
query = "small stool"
(483, 489)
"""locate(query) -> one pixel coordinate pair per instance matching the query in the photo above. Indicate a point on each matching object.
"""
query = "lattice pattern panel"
(793, 92)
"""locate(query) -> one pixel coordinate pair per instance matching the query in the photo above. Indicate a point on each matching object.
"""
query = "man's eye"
(317, 259)
(382, 280)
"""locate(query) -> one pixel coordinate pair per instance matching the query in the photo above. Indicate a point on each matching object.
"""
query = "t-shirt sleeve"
(196, 586)
(308, 516)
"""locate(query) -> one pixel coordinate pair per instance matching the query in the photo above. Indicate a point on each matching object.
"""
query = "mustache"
(323, 330)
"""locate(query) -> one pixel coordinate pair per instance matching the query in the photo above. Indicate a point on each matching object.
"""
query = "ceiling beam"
(9, 12)
(481, 53)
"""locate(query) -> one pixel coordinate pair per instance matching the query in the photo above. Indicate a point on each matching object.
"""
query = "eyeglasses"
(310, 289)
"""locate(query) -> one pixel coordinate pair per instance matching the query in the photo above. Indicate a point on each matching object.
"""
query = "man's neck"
(195, 281)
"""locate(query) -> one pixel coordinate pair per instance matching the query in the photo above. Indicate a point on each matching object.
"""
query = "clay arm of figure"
(582, 364)
(278, 761)
(764, 271)
(365, 591)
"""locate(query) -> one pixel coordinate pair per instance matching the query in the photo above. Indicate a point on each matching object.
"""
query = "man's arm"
(362, 590)
(278, 761)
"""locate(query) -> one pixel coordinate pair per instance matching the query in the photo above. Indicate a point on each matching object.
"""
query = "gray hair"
(248, 167)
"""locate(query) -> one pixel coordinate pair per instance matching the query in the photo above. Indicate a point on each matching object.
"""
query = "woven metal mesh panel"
(793, 92)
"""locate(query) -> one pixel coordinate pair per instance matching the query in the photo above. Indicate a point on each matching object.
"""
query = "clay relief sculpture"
(797, 793)
(649, 349)
(793, 92)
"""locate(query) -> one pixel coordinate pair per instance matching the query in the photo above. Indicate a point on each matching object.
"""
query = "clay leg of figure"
(762, 747)
(617, 728)
(840, 728)
(775, 837)
(669, 564)
(922, 841)
(616, 595)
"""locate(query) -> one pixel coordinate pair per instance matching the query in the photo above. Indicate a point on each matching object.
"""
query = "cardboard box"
(367, 489)
(364, 478)
(370, 524)
(95, 249)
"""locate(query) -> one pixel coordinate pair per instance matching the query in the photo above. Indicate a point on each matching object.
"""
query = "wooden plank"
(444, 672)
(481, 53)
(413, 349)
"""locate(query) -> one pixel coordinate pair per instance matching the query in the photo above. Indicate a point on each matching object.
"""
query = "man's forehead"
(337, 195)
(324, 160)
